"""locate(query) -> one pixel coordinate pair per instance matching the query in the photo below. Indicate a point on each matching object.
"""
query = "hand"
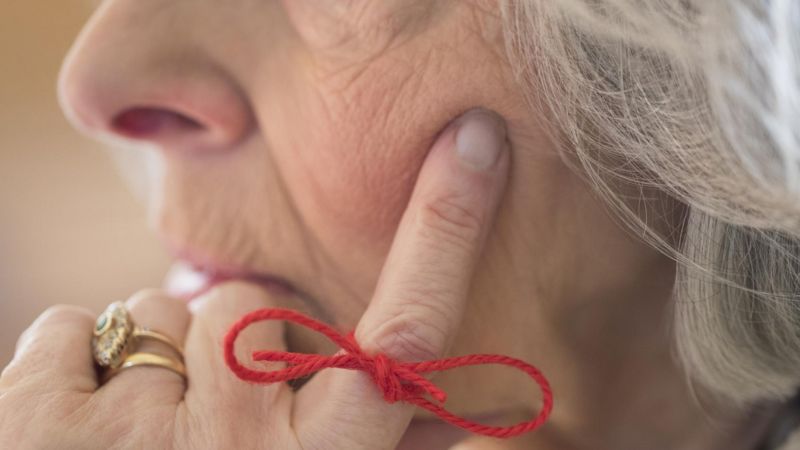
(50, 396)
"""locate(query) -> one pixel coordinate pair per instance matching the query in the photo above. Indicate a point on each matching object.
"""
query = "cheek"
(361, 194)
(365, 166)
(350, 155)
(349, 146)
(371, 133)
(352, 180)
(349, 172)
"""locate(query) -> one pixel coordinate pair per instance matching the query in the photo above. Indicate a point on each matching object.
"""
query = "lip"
(191, 276)
(188, 281)
(194, 273)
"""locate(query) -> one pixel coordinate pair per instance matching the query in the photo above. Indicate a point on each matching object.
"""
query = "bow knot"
(398, 381)
(385, 375)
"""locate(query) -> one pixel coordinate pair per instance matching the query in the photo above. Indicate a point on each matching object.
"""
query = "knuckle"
(55, 317)
(412, 341)
(417, 331)
(11, 374)
(449, 218)
(64, 315)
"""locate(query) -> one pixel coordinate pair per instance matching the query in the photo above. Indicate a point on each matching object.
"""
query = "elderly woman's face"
(291, 132)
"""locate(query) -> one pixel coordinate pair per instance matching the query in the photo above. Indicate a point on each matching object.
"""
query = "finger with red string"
(423, 287)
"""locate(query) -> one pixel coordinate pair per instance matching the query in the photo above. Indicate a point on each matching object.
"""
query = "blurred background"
(70, 230)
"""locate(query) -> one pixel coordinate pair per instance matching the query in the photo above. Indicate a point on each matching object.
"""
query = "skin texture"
(51, 384)
(291, 136)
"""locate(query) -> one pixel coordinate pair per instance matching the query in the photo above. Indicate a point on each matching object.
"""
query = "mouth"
(194, 273)
(191, 276)
(188, 280)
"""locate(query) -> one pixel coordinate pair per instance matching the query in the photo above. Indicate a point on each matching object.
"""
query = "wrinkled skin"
(291, 137)
(52, 385)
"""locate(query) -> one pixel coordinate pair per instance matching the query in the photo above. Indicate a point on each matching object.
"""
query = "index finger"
(422, 291)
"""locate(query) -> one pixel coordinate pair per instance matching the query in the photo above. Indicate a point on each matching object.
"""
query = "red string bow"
(398, 381)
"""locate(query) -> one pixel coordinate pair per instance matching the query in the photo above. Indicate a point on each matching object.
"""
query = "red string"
(398, 381)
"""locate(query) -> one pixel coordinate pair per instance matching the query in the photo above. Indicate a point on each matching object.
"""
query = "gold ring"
(146, 333)
(146, 359)
(116, 336)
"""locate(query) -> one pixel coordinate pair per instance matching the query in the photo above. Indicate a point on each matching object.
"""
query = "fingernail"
(480, 139)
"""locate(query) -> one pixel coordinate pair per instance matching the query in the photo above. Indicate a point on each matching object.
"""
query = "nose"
(148, 85)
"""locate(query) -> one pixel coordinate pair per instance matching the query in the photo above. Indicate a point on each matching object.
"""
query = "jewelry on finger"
(147, 359)
(140, 333)
(116, 336)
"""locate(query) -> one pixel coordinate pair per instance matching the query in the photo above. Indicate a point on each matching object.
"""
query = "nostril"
(150, 123)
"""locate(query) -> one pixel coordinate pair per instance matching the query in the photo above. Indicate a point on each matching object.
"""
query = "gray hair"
(698, 100)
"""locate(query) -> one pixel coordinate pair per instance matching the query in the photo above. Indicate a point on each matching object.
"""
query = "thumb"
(423, 287)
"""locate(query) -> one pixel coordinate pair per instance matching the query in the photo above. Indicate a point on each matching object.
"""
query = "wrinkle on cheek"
(376, 130)
(370, 146)
(367, 128)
